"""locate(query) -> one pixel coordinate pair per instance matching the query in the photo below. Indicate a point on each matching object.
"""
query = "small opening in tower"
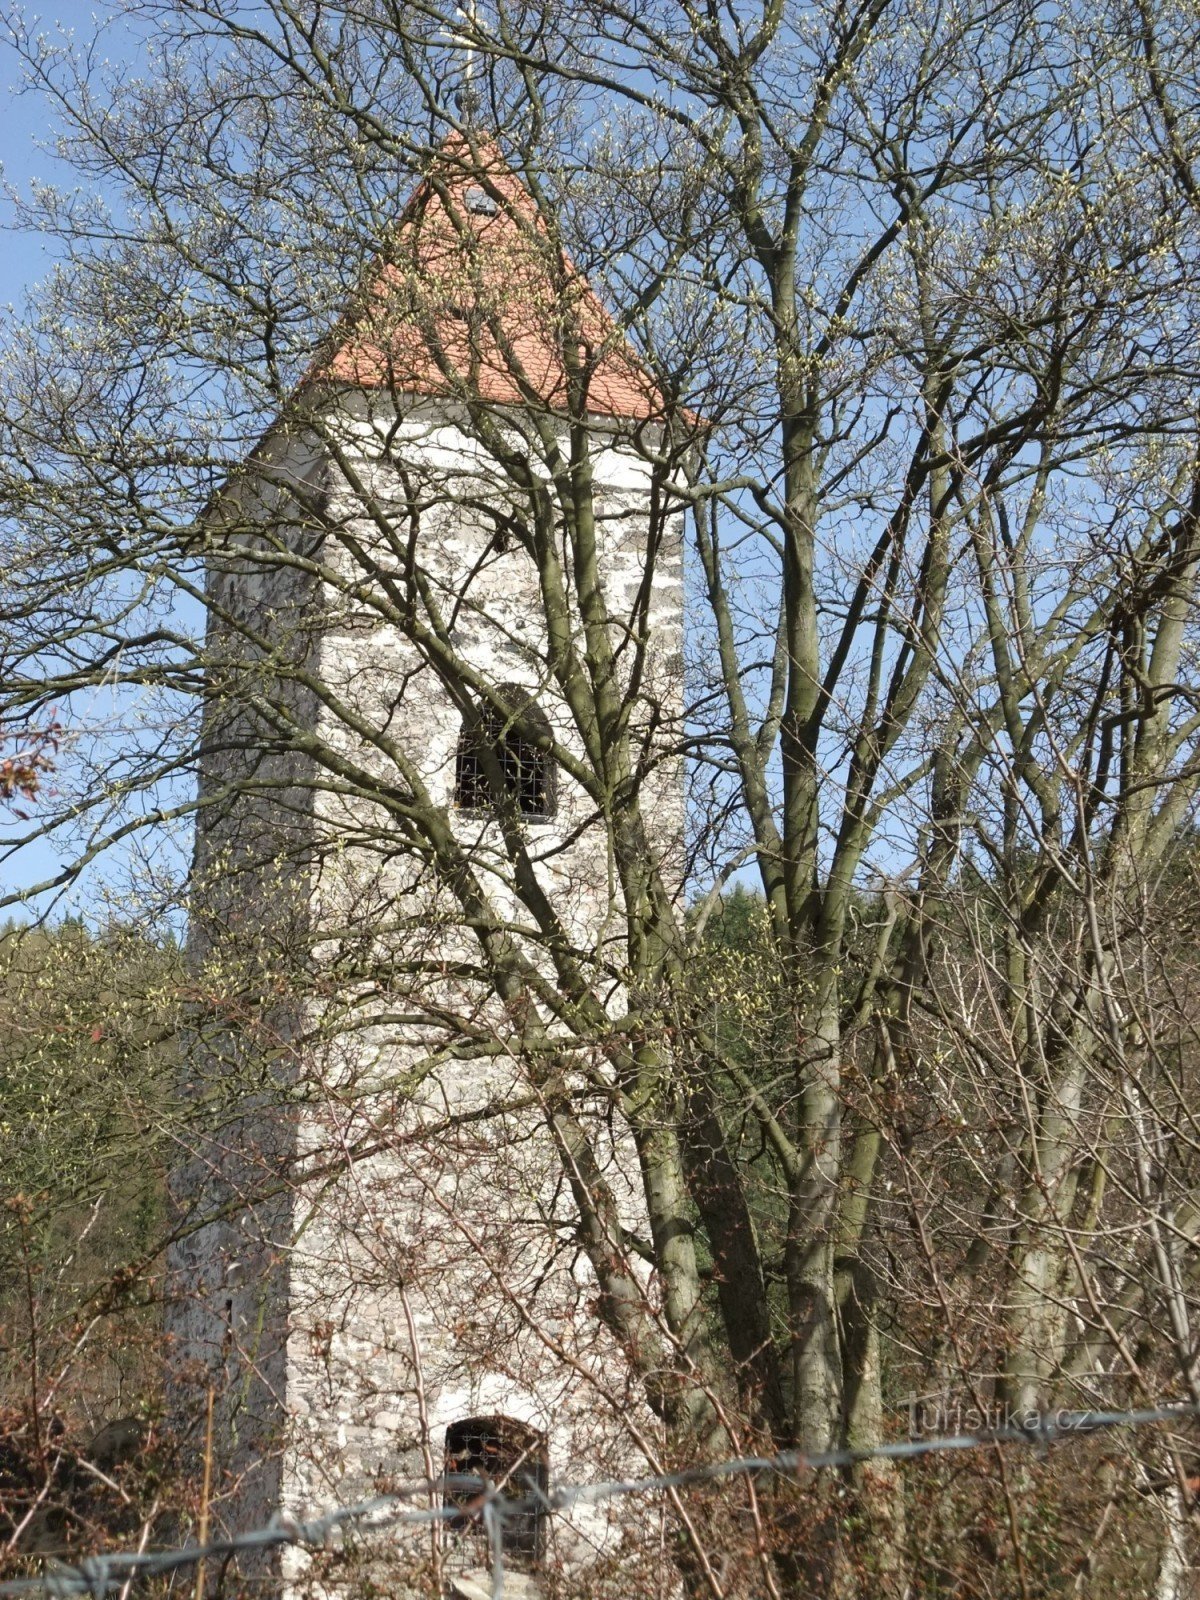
(510, 1456)
(479, 202)
(507, 756)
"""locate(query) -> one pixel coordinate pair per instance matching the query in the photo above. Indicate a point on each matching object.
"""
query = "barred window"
(510, 748)
(512, 1457)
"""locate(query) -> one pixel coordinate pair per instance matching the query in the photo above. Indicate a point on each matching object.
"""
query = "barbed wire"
(491, 1507)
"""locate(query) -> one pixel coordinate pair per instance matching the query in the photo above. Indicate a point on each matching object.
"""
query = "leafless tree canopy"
(913, 292)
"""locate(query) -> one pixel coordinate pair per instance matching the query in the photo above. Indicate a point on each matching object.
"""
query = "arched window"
(512, 1457)
(509, 749)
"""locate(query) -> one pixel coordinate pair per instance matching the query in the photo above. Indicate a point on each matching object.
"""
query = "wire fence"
(492, 1506)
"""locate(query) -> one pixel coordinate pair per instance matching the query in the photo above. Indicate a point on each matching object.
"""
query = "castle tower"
(402, 867)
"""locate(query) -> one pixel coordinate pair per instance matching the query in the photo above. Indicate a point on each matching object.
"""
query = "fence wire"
(491, 1506)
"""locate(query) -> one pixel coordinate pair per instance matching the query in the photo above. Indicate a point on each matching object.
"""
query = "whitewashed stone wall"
(347, 1324)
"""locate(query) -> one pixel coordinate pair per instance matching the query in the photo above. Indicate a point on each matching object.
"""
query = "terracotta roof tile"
(474, 301)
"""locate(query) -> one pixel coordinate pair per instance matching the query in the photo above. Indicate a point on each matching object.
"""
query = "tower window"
(509, 749)
(479, 201)
(512, 1457)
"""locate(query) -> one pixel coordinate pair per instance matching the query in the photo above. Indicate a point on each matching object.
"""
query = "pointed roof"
(473, 300)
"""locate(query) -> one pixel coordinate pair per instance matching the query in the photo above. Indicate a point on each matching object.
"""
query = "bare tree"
(912, 295)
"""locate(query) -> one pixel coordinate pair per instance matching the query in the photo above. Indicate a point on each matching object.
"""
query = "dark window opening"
(512, 1457)
(510, 747)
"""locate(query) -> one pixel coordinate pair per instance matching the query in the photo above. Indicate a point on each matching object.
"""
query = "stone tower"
(382, 1279)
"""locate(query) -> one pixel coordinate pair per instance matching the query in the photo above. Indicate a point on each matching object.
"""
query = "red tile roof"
(473, 300)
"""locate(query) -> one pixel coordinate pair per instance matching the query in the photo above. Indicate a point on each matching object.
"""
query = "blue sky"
(27, 131)
(26, 122)
(27, 128)
(26, 125)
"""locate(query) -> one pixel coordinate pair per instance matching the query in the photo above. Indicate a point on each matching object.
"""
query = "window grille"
(514, 747)
(512, 1457)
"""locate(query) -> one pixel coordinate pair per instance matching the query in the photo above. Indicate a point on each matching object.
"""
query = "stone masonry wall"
(434, 1277)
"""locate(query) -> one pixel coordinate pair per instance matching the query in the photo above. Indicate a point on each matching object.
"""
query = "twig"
(206, 1491)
